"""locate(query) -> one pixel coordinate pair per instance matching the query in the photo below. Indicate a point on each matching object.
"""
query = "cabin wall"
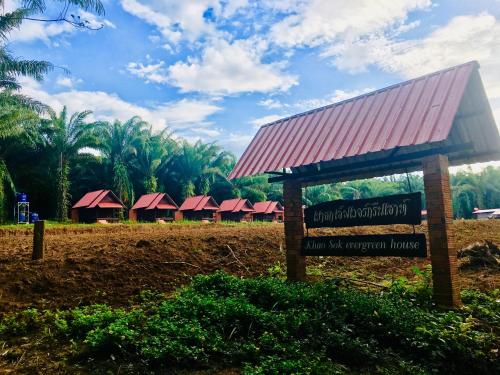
(74, 215)
(235, 216)
(91, 215)
(268, 217)
(199, 215)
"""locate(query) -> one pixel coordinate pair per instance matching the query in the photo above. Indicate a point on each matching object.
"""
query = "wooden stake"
(38, 239)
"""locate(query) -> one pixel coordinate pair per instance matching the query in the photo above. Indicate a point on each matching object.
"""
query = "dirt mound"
(479, 254)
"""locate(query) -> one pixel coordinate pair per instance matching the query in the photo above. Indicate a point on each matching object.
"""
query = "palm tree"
(120, 143)
(154, 154)
(11, 67)
(16, 116)
(197, 166)
(65, 138)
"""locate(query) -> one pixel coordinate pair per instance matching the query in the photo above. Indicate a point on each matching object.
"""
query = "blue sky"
(218, 69)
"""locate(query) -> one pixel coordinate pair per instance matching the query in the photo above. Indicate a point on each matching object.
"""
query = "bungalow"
(201, 207)
(490, 213)
(153, 207)
(235, 210)
(268, 211)
(97, 206)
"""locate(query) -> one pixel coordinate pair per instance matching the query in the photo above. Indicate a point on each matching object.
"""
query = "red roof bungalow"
(235, 210)
(201, 207)
(96, 206)
(153, 207)
(268, 211)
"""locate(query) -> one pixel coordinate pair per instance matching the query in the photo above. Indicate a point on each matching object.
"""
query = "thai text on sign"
(393, 209)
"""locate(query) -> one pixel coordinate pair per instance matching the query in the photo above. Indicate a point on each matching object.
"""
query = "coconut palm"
(10, 67)
(154, 154)
(120, 142)
(65, 137)
(197, 166)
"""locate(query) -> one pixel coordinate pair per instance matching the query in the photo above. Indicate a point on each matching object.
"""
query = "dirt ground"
(113, 263)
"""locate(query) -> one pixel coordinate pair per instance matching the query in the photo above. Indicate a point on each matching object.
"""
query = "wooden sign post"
(396, 209)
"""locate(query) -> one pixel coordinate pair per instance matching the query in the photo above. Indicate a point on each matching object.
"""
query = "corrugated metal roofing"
(109, 205)
(417, 112)
(155, 200)
(267, 207)
(87, 199)
(198, 203)
(236, 205)
(101, 198)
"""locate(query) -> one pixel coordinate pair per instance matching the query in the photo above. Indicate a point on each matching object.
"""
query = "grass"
(269, 326)
(55, 224)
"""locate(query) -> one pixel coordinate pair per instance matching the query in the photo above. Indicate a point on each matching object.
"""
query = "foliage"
(63, 139)
(17, 110)
(267, 325)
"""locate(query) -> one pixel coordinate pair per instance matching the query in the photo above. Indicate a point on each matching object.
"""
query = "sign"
(400, 245)
(393, 209)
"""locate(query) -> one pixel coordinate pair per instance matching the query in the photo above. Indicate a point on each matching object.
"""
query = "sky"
(216, 70)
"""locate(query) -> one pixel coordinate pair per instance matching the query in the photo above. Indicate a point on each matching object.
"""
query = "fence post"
(38, 239)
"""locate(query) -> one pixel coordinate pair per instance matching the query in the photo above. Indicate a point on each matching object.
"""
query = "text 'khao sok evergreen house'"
(201, 207)
(237, 209)
(97, 206)
(154, 207)
(268, 211)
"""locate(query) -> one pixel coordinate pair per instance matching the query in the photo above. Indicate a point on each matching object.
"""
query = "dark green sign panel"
(393, 209)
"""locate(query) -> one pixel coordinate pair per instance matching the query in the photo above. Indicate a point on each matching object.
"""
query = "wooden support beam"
(294, 230)
(443, 251)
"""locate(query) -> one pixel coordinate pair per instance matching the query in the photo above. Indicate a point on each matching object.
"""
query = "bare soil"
(112, 263)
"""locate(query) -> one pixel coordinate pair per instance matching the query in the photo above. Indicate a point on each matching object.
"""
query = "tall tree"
(198, 166)
(120, 143)
(154, 154)
(65, 137)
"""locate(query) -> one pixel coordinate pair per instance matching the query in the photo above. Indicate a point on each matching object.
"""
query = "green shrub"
(269, 325)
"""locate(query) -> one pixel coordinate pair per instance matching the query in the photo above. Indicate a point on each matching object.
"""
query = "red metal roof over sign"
(417, 112)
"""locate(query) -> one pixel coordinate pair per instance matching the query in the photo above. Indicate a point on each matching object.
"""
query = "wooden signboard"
(393, 209)
(400, 245)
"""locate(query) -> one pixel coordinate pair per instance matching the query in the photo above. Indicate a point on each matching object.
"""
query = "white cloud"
(179, 115)
(464, 38)
(233, 6)
(271, 104)
(318, 22)
(258, 122)
(150, 72)
(176, 20)
(236, 142)
(67, 82)
(230, 68)
(335, 97)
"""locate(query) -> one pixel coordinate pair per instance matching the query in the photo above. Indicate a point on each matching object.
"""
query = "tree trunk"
(62, 190)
